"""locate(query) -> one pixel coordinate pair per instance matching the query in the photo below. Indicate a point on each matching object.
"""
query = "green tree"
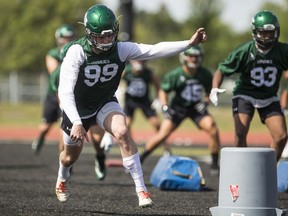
(221, 38)
(157, 27)
(27, 30)
(153, 28)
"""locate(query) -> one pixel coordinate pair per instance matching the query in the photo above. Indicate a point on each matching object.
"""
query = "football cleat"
(100, 169)
(144, 199)
(62, 190)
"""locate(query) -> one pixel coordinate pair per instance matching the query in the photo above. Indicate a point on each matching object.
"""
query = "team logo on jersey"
(100, 62)
(191, 81)
(264, 61)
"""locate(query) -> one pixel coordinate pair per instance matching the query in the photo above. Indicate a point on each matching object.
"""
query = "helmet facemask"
(96, 40)
(265, 39)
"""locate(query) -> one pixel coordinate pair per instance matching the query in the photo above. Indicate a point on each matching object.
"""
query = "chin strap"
(264, 52)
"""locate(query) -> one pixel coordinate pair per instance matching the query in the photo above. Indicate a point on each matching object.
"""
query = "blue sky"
(236, 13)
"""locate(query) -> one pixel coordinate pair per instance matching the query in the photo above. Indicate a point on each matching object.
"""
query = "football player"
(138, 78)
(90, 74)
(260, 64)
(190, 84)
(51, 112)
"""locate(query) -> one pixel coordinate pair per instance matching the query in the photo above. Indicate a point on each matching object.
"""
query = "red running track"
(178, 137)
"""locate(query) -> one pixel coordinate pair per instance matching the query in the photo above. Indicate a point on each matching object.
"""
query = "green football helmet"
(265, 21)
(64, 31)
(100, 21)
(192, 51)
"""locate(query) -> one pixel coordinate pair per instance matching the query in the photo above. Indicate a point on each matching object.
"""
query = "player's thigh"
(206, 123)
(166, 128)
(276, 125)
(272, 116)
(243, 112)
(154, 121)
(111, 116)
(112, 119)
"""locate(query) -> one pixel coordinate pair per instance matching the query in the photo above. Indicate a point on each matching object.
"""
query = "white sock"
(63, 172)
(133, 165)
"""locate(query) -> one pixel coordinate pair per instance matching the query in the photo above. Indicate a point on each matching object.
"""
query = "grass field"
(29, 115)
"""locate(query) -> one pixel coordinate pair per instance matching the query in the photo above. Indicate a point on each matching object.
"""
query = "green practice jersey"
(54, 79)
(137, 84)
(88, 80)
(55, 53)
(188, 89)
(259, 74)
(92, 88)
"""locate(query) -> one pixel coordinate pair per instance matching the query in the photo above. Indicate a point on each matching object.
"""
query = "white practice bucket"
(248, 183)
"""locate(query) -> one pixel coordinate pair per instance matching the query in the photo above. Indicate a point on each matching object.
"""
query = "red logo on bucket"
(234, 189)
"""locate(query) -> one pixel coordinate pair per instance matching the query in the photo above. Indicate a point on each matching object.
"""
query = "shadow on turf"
(115, 213)
(203, 189)
(23, 166)
(106, 184)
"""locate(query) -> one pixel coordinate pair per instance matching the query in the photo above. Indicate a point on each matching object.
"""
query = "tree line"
(27, 30)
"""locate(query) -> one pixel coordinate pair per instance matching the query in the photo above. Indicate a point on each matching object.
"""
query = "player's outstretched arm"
(200, 36)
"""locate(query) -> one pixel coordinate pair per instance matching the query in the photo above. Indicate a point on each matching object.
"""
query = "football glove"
(285, 111)
(156, 104)
(214, 95)
(166, 112)
(106, 142)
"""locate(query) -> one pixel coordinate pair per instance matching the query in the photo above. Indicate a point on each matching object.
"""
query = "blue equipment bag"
(282, 176)
(177, 173)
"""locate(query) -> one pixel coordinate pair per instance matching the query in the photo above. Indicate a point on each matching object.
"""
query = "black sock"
(144, 155)
(41, 139)
(215, 157)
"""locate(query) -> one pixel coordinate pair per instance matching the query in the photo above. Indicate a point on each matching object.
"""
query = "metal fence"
(16, 88)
